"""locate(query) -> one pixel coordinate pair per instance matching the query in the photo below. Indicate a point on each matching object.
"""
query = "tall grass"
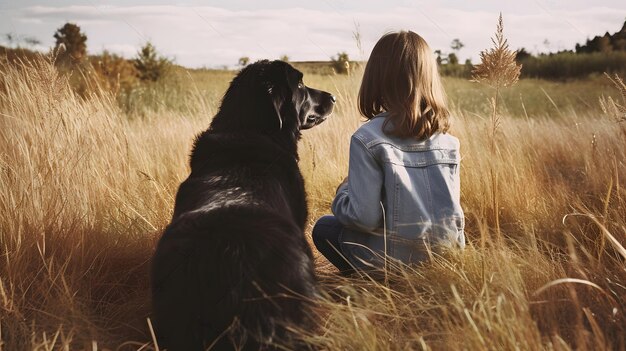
(498, 70)
(85, 192)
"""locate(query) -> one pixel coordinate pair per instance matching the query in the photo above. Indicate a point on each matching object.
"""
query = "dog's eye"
(300, 85)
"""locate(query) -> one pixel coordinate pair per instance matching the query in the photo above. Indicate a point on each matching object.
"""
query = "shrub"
(150, 65)
(71, 45)
(570, 65)
(244, 61)
(114, 73)
(341, 63)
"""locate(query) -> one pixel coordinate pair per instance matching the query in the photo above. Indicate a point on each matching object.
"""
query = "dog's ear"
(282, 100)
(276, 102)
(270, 107)
(282, 97)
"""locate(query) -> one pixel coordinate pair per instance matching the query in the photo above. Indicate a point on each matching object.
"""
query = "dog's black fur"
(233, 269)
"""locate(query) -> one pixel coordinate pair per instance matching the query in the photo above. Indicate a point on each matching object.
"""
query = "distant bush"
(457, 70)
(114, 73)
(322, 68)
(150, 65)
(341, 63)
(145, 84)
(453, 59)
(71, 45)
(570, 65)
(12, 55)
(244, 61)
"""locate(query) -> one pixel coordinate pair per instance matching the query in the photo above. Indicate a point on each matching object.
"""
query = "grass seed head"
(497, 67)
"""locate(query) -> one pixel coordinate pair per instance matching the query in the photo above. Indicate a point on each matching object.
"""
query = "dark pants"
(326, 239)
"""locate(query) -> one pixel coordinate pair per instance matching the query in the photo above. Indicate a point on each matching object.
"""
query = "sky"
(217, 33)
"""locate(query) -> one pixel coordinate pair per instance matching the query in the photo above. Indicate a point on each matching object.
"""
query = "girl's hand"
(345, 181)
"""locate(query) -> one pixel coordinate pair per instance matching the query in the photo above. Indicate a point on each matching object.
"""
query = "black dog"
(233, 269)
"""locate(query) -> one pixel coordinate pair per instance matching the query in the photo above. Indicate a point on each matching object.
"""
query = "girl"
(402, 193)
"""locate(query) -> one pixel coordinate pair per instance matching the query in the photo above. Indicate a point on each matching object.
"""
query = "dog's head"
(270, 97)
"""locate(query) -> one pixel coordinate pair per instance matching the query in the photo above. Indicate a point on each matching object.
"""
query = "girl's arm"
(357, 203)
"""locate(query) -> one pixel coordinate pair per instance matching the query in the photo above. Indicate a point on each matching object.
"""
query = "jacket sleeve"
(357, 203)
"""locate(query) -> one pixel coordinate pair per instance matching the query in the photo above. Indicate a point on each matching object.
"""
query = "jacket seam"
(430, 196)
(430, 147)
(357, 137)
(449, 161)
(396, 216)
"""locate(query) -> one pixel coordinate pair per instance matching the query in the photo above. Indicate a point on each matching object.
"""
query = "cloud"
(213, 36)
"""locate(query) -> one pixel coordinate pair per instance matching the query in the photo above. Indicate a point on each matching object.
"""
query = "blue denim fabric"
(402, 197)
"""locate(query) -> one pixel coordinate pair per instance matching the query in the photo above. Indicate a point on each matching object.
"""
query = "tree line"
(71, 52)
(606, 53)
(596, 55)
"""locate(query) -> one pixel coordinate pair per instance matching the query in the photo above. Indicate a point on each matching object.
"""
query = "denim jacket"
(402, 197)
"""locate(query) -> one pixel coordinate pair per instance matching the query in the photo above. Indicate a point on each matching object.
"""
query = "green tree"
(439, 58)
(284, 58)
(456, 45)
(150, 65)
(341, 63)
(244, 61)
(604, 44)
(468, 67)
(453, 59)
(522, 54)
(71, 45)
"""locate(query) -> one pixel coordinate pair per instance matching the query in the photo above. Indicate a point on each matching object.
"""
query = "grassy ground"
(87, 189)
(186, 91)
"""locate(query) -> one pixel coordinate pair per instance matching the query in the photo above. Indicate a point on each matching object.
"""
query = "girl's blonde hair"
(401, 78)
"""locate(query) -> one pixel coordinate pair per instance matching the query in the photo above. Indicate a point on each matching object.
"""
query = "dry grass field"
(86, 189)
